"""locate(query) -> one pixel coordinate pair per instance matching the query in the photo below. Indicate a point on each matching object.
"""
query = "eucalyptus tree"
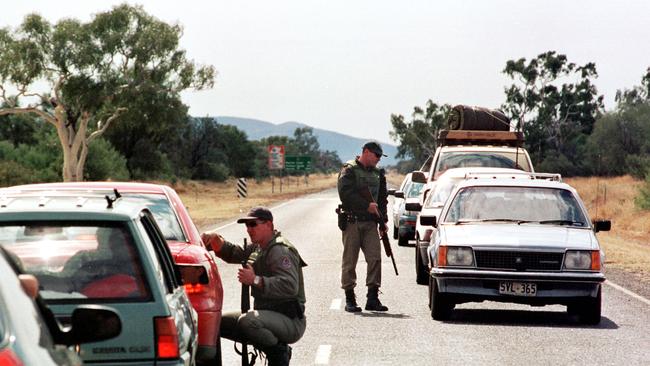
(554, 102)
(91, 71)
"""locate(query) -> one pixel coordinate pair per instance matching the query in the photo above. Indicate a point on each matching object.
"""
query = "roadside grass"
(210, 203)
(627, 245)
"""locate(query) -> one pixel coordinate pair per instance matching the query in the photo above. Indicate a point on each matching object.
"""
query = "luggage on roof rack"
(464, 117)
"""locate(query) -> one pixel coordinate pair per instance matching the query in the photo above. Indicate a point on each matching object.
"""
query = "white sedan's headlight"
(455, 256)
(582, 259)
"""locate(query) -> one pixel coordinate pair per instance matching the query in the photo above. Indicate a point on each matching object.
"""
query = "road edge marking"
(627, 292)
(323, 354)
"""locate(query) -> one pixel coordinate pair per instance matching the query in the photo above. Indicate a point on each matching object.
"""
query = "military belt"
(359, 217)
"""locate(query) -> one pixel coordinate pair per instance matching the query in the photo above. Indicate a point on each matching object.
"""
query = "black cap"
(374, 147)
(257, 213)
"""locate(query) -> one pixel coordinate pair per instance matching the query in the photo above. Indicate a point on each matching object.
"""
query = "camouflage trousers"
(262, 328)
(361, 235)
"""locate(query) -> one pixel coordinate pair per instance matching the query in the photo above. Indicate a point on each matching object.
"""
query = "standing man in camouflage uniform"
(360, 233)
(274, 272)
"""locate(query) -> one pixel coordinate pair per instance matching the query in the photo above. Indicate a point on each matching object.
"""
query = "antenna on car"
(110, 200)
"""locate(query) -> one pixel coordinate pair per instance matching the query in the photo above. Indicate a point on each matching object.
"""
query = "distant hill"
(345, 146)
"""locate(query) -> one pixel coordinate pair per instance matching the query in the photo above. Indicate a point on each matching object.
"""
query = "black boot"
(351, 302)
(278, 355)
(373, 303)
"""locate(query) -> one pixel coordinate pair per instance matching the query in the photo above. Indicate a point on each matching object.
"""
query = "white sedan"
(524, 240)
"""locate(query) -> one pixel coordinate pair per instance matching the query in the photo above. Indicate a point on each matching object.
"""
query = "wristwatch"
(257, 281)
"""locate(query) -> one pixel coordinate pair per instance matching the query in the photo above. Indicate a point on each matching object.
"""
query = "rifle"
(382, 229)
(245, 306)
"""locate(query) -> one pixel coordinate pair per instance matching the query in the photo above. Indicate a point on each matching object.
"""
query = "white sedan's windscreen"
(526, 204)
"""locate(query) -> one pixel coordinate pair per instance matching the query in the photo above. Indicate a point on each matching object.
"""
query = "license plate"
(517, 288)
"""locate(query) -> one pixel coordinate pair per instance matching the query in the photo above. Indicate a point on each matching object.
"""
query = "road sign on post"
(276, 157)
(297, 163)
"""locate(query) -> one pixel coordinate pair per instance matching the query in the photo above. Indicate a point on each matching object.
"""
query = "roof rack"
(46, 194)
(555, 177)
(477, 137)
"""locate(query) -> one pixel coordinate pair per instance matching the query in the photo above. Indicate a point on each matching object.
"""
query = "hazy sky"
(346, 66)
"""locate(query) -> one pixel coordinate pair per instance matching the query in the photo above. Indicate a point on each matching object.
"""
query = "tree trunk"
(73, 143)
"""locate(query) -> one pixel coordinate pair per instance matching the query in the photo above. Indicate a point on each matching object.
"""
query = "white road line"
(336, 304)
(323, 354)
(628, 292)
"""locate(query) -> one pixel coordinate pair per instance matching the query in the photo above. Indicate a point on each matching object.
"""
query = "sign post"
(276, 162)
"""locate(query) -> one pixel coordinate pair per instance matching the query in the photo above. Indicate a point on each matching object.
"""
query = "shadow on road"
(377, 314)
(525, 318)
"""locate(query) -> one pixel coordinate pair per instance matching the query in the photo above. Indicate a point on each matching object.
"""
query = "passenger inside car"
(108, 270)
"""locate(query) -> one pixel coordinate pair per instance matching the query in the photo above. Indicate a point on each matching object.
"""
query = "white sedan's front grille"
(519, 261)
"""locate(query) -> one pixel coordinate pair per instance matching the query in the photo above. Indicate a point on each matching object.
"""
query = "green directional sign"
(297, 163)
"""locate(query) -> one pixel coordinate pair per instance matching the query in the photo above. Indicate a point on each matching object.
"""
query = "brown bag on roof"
(464, 117)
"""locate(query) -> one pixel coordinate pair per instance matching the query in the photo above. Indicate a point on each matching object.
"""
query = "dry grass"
(394, 178)
(627, 245)
(210, 203)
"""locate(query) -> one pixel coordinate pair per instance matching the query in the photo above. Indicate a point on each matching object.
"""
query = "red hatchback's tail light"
(193, 289)
(166, 338)
(9, 358)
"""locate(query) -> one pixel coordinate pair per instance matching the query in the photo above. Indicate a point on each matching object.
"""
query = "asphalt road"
(478, 334)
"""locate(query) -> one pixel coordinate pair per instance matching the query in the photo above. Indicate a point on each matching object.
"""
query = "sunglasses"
(377, 155)
(253, 223)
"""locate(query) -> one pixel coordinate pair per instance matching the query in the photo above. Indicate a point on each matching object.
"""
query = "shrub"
(104, 162)
(638, 165)
(643, 199)
(218, 172)
(12, 173)
(556, 162)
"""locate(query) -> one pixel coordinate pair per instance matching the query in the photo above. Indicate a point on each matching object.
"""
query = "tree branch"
(57, 87)
(101, 127)
(46, 116)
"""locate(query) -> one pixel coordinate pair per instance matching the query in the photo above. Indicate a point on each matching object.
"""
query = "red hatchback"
(186, 246)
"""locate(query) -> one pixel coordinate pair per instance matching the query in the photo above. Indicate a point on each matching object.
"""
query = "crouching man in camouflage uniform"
(274, 272)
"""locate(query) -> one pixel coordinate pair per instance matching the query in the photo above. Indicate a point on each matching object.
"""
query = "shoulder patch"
(286, 262)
